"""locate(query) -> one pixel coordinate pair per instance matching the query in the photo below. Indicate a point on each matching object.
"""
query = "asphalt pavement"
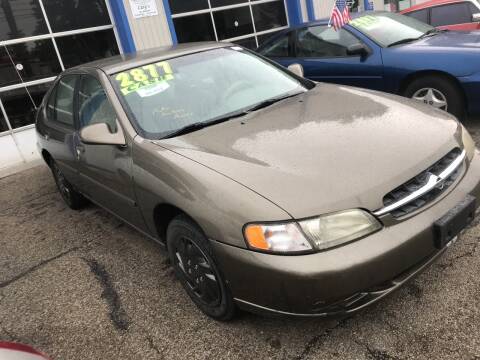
(82, 285)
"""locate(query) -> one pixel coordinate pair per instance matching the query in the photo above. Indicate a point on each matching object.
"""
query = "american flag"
(340, 14)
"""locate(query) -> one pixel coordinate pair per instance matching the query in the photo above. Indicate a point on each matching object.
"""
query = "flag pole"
(331, 13)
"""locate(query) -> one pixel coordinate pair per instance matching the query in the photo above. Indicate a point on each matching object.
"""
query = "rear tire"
(72, 198)
(195, 267)
(434, 90)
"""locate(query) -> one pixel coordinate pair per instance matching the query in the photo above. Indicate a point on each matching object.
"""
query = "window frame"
(210, 10)
(295, 45)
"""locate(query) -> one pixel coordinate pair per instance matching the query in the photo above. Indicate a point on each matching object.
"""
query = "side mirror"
(297, 69)
(358, 49)
(476, 17)
(99, 134)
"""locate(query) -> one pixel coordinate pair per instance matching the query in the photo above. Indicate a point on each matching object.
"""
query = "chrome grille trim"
(432, 182)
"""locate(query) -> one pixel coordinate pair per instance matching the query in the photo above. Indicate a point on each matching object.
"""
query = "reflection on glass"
(233, 22)
(181, 6)
(265, 37)
(216, 3)
(194, 28)
(3, 123)
(82, 48)
(21, 18)
(269, 15)
(35, 60)
(63, 109)
(77, 14)
(19, 107)
(248, 43)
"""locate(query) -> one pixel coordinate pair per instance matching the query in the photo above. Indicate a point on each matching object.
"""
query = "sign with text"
(143, 8)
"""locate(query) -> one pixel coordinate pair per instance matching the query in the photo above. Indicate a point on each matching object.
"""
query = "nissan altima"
(271, 193)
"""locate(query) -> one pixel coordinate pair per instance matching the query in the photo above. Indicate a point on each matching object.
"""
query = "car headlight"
(318, 233)
(339, 228)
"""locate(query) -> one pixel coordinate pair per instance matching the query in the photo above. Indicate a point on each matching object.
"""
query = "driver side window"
(324, 42)
(94, 105)
(278, 48)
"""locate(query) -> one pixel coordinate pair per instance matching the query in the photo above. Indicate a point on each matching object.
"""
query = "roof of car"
(428, 4)
(122, 62)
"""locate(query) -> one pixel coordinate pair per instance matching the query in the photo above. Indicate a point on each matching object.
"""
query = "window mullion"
(51, 32)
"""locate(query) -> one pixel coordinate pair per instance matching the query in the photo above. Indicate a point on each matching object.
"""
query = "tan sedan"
(270, 192)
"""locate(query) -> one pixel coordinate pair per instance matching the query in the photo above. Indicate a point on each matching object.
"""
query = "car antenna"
(20, 76)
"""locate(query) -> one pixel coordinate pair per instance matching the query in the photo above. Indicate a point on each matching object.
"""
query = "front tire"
(72, 198)
(195, 267)
(439, 92)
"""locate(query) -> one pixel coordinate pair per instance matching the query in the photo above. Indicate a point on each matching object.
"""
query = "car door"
(105, 170)
(58, 126)
(322, 51)
(457, 16)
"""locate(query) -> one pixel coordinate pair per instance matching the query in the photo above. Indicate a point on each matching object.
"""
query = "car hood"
(451, 40)
(329, 149)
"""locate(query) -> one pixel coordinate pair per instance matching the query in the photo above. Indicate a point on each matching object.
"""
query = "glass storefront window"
(19, 107)
(194, 28)
(217, 3)
(82, 48)
(265, 37)
(233, 22)
(3, 123)
(181, 6)
(21, 18)
(269, 15)
(34, 59)
(231, 19)
(248, 43)
(71, 15)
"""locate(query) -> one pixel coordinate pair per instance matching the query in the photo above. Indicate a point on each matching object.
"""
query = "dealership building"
(40, 38)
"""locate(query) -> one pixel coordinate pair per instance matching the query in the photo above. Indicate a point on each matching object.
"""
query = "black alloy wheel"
(194, 266)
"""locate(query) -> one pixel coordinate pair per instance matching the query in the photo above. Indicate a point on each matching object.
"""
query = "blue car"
(388, 52)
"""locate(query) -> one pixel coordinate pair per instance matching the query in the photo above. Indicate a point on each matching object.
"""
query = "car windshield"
(170, 95)
(390, 28)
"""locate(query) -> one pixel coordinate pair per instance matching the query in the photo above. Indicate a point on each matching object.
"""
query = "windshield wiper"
(272, 101)
(408, 40)
(431, 32)
(203, 124)
(403, 41)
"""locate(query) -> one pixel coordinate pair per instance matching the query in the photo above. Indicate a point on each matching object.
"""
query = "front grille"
(420, 181)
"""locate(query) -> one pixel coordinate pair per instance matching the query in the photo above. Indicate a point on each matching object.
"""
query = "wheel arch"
(163, 214)
(407, 80)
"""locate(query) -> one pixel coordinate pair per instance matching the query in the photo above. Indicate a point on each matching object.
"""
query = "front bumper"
(345, 279)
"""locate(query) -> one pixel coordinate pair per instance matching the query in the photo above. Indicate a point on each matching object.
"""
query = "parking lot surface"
(82, 285)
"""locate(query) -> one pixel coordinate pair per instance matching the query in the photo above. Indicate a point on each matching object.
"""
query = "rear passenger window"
(460, 13)
(60, 104)
(421, 15)
(94, 107)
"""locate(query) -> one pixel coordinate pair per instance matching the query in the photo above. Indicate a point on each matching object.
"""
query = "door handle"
(79, 149)
(46, 136)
